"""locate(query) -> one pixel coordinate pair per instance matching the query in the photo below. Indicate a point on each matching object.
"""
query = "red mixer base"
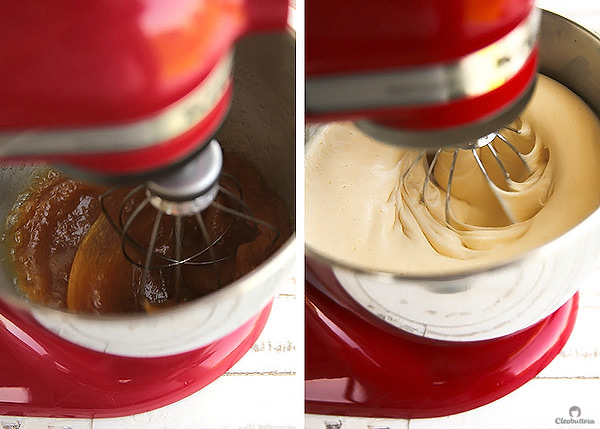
(354, 368)
(42, 375)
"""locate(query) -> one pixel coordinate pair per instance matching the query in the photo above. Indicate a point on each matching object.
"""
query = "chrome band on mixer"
(475, 74)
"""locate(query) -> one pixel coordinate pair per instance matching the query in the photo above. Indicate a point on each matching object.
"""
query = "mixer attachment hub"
(480, 142)
(190, 189)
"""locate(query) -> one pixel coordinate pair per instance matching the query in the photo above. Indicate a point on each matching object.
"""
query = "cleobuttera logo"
(574, 418)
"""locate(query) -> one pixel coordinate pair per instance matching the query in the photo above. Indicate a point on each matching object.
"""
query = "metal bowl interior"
(261, 126)
(501, 299)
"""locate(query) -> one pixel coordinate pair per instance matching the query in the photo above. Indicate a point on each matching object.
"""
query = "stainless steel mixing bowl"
(503, 299)
(261, 125)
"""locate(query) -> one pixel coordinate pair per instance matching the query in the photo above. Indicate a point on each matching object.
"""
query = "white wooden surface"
(572, 379)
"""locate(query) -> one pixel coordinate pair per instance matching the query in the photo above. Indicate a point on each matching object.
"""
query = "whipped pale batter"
(366, 203)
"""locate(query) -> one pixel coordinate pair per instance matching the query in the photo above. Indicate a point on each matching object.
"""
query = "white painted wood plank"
(336, 422)
(41, 423)
(253, 401)
(539, 404)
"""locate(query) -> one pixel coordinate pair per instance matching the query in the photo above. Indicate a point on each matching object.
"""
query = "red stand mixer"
(428, 75)
(133, 92)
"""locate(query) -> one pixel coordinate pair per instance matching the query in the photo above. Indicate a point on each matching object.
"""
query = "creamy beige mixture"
(366, 203)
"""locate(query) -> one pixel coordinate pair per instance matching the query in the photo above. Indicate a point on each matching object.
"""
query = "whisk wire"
(429, 175)
(123, 204)
(123, 230)
(211, 249)
(505, 172)
(149, 253)
(447, 212)
(515, 150)
(493, 187)
(412, 164)
(178, 248)
(249, 217)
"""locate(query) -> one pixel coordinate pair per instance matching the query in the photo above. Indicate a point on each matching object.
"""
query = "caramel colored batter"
(60, 221)
(362, 209)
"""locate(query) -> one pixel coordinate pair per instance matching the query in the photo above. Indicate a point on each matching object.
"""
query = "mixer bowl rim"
(552, 246)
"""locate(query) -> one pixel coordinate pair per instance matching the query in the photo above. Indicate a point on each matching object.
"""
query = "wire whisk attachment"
(484, 175)
(166, 233)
